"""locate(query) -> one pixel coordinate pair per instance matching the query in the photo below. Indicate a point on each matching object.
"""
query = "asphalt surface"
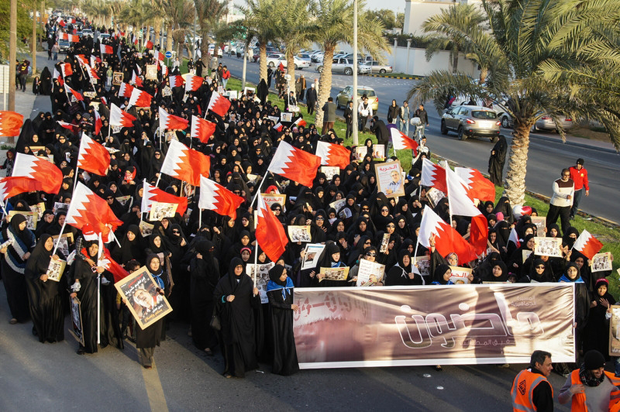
(547, 154)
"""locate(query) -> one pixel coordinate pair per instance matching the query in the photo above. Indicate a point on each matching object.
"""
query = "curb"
(395, 77)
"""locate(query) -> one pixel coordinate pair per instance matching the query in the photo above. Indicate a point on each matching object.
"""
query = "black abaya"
(497, 160)
(205, 275)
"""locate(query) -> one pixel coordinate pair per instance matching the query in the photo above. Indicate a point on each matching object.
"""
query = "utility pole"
(354, 117)
(12, 56)
(34, 39)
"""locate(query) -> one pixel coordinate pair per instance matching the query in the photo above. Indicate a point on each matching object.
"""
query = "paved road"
(547, 155)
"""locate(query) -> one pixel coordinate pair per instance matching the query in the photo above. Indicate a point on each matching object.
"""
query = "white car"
(299, 63)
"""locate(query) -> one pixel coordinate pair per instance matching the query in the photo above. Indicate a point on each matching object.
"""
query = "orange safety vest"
(523, 388)
(578, 401)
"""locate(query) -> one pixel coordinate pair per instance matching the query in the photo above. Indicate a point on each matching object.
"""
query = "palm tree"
(334, 20)
(448, 30)
(548, 55)
(209, 14)
(261, 23)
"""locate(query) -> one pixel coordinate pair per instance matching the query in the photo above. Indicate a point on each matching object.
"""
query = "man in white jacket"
(561, 201)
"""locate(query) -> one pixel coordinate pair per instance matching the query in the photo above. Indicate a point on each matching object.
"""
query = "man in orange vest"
(590, 388)
(531, 391)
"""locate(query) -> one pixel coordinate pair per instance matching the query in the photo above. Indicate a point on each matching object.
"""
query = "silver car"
(375, 67)
(544, 123)
(471, 121)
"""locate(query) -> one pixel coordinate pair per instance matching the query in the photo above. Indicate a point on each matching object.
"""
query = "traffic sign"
(168, 55)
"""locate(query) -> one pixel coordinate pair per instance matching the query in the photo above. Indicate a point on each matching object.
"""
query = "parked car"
(305, 56)
(471, 121)
(317, 57)
(274, 61)
(375, 67)
(346, 94)
(345, 66)
(544, 123)
(64, 45)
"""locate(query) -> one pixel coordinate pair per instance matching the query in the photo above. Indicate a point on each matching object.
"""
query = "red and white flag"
(401, 141)
(88, 208)
(58, 77)
(135, 79)
(73, 38)
(140, 98)
(61, 23)
(63, 36)
(81, 59)
(218, 104)
(433, 175)
(149, 45)
(202, 129)
(93, 157)
(176, 81)
(300, 122)
(77, 95)
(125, 90)
(66, 69)
(153, 194)
(120, 117)
(193, 83)
(105, 261)
(40, 169)
(270, 234)
(92, 73)
(163, 68)
(278, 127)
(295, 164)
(185, 164)
(10, 123)
(14, 185)
(333, 154)
(478, 186)
(447, 239)
(98, 122)
(170, 121)
(69, 126)
(105, 49)
(219, 199)
(587, 245)
(158, 55)
(514, 238)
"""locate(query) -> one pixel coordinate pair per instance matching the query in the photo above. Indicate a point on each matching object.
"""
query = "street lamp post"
(354, 117)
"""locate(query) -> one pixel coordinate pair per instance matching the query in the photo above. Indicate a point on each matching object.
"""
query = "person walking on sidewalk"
(579, 175)
(403, 118)
(348, 119)
(423, 116)
(561, 201)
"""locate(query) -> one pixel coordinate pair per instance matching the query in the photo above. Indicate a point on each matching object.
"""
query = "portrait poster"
(274, 119)
(390, 179)
(378, 152)
(312, 255)
(160, 210)
(614, 331)
(434, 195)
(146, 229)
(31, 218)
(64, 242)
(525, 254)
(117, 78)
(249, 91)
(359, 153)
(76, 320)
(166, 91)
(39, 208)
(338, 204)
(299, 233)
(123, 199)
(601, 262)
(329, 171)
(60, 206)
(370, 273)
(55, 269)
(345, 213)
(423, 264)
(541, 224)
(286, 117)
(91, 95)
(262, 277)
(429, 325)
(548, 246)
(232, 94)
(460, 275)
(273, 198)
(144, 301)
(151, 72)
(335, 273)
(385, 243)
(36, 149)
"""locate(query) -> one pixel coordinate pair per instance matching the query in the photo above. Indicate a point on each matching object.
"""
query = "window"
(483, 114)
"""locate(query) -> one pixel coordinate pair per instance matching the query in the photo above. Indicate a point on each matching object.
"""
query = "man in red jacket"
(580, 176)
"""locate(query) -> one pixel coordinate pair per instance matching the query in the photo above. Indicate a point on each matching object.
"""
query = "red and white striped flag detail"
(135, 79)
(68, 126)
(447, 239)
(433, 175)
(40, 169)
(149, 45)
(125, 90)
(278, 127)
(14, 185)
(185, 164)
(58, 77)
(66, 69)
(300, 122)
(193, 83)
(219, 199)
(176, 81)
(77, 95)
(478, 186)
(401, 141)
(295, 164)
(120, 117)
(73, 38)
(153, 194)
(105, 49)
(218, 104)
(88, 208)
(270, 234)
(170, 121)
(202, 129)
(158, 55)
(333, 154)
(10, 123)
(140, 98)
(587, 245)
(93, 157)
(98, 122)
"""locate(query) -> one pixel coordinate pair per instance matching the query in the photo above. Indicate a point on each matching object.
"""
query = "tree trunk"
(455, 61)
(34, 41)
(204, 46)
(325, 84)
(169, 38)
(484, 72)
(290, 69)
(157, 30)
(263, 60)
(517, 163)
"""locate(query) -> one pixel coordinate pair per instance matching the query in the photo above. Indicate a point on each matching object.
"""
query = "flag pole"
(255, 262)
(199, 218)
(259, 187)
(62, 229)
(447, 167)
(99, 251)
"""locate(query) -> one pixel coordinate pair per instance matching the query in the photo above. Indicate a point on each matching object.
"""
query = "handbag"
(215, 321)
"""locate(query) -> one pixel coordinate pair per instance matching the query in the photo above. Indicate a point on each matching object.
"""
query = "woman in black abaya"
(13, 266)
(281, 298)
(45, 302)
(205, 273)
(236, 299)
(497, 160)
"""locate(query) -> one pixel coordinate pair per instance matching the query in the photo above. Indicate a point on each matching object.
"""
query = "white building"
(417, 12)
